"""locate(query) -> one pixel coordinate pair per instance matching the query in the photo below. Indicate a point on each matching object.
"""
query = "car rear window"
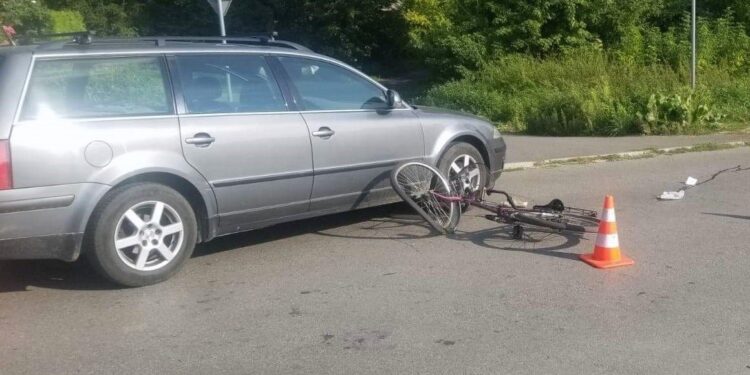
(97, 87)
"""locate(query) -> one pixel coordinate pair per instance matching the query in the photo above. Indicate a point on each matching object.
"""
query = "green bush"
(591, 92)
(674, 114)
(66, 21)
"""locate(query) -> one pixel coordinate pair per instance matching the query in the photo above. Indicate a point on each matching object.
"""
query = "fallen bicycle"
(440, 201)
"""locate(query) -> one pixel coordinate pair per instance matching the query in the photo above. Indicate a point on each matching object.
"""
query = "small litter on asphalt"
(692, 182)
(672, 195)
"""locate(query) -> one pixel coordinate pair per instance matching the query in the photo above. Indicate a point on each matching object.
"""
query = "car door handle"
(324, 132)
(200, 140)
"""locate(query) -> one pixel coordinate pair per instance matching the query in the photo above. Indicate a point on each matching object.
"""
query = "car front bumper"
(497, 151)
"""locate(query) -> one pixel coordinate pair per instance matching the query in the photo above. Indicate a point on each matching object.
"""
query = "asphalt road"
(374, 292)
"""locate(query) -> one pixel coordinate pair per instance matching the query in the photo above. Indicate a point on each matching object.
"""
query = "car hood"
(449, 112)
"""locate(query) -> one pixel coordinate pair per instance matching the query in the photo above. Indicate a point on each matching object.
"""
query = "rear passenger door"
(356, 138)
(237, 131)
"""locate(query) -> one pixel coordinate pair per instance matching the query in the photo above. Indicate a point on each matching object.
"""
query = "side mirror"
(394, 99)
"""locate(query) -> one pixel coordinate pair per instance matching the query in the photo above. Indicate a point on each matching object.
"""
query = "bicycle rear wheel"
(417, 183)
(560, 221)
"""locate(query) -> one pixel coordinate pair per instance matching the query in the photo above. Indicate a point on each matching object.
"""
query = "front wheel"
(465, 169)
(141, 234)
(417, 184)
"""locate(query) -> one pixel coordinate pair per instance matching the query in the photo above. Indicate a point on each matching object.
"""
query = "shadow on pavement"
(18, 275)
(385, 223)
(534, 242)
(385, 214)
(728, 215)
(499, 238)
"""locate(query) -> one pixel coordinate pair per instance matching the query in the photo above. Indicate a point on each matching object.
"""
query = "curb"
(618, 155)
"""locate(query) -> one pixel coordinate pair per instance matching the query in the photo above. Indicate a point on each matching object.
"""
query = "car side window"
(228, 84)
(97, 87)
(326, 86)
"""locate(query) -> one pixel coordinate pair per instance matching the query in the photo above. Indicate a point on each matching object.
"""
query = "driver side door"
(356, 138)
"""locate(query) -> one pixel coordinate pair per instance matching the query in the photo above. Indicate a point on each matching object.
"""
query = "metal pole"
(694, 51)
(221, 20)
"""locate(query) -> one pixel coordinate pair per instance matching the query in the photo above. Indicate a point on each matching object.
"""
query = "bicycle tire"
(414, 182)
(558, 221)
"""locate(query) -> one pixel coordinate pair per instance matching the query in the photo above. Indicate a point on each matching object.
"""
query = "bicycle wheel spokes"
(417, 184)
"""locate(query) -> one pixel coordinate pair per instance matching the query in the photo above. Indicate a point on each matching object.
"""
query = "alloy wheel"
(149, 235)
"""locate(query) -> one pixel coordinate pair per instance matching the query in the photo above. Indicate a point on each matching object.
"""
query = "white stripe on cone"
(608, 215)
(608, 240)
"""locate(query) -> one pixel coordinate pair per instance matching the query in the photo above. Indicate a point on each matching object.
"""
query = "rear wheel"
(417, 184)
(559, 221)
(141, 234)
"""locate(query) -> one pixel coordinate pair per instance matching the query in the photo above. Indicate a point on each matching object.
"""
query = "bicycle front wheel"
(419, 185)
(560, 221)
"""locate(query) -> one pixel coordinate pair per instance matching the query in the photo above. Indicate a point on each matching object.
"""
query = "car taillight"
(6, 174)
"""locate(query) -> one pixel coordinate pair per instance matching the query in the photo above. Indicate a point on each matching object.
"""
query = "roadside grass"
(592, 93)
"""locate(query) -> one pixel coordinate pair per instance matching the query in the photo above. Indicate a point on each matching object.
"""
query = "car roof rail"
(258, 40)
(48, 40)
(86, 38)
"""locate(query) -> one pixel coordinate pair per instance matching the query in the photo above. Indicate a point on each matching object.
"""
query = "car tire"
(129, 245)
(457, 153)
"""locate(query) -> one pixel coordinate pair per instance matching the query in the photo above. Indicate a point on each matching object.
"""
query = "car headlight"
(496, 134)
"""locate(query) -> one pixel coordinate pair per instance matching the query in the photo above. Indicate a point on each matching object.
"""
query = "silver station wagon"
(131, 151)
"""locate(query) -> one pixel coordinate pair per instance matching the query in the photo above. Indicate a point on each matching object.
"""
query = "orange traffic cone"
(607, 250)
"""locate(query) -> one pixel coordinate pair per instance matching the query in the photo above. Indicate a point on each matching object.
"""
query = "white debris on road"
(672, 195)
(692, 182)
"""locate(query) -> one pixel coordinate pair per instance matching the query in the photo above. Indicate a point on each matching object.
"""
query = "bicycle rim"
(416, 184)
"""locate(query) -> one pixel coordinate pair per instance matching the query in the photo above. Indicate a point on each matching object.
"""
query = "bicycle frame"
(506, 213)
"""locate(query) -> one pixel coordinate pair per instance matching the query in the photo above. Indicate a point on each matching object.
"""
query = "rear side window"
(228, 84)
(97, 87)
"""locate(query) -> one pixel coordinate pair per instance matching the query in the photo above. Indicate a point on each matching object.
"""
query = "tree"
(457, 35)
(26, 16)
(366, 32)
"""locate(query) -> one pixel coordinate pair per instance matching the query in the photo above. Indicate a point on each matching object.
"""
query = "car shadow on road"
(19, 275)
(391, 222)
(386, 215)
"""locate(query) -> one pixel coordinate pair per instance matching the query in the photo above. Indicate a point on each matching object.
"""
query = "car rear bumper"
(46, 222)
(56, 246)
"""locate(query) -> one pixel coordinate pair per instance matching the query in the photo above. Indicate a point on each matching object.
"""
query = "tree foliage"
(66, 21)
(26, 16)
(452, 37)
